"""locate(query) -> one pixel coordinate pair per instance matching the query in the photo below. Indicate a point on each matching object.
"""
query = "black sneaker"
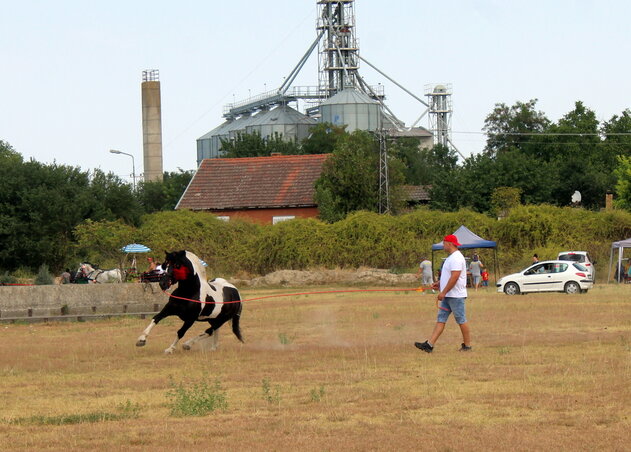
(465, 348)
(424, 346)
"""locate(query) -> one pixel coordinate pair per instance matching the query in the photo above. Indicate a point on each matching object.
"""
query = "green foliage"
(270, 395)
(509, 128)
(43, 276)
(124, 411)
(6, 278)
(295, 244)
(317, 394)
(225, 247)
(504, 198)
(253, 145)
(323, 139)
(284, 339)
(7, 153)
(114, 198)
(41, 204)
(155, 196)
(101, 241)
(196, 399)
(623, 186)
(366, 238)
(350, 178)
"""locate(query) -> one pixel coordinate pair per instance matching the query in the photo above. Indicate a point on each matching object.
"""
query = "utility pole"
(384, 184)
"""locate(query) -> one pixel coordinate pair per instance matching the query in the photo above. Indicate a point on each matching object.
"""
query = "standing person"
(535, 258)
(425, 269)
(452, 296)
(475, 267)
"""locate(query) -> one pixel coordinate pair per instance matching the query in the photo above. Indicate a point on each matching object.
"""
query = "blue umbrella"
(135, 248)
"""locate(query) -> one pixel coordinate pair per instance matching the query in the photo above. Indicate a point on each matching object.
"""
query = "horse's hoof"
(141, 343)
(168, 351)
(186, 347)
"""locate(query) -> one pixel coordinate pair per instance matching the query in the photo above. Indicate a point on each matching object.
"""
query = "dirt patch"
(361, 276)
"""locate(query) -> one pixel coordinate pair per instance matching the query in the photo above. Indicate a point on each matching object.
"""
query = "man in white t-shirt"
(452, 296)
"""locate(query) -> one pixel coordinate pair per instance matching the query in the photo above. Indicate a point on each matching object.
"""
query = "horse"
(95, 275)
(195, 300)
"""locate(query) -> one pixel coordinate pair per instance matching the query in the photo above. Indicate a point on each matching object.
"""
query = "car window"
(536, 270)
(579, 267)
(559, 268)
(572, 257)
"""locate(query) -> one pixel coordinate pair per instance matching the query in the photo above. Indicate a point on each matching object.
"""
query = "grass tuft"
(198, 399)
(127, 410)
(270, 395)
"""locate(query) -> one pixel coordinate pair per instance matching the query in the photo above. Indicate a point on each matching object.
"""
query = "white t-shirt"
(426, 267)
(455, 262)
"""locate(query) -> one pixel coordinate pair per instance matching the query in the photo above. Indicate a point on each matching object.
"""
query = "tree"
(580, 159)
(156, 196)
(113, 198)
(510, 128)
(253, 145)
(7, 153)
(623, 185)
(322, 139)
(349, 178)
(503, 198)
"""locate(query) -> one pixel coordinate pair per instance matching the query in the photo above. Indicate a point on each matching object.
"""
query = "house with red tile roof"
(264, 189)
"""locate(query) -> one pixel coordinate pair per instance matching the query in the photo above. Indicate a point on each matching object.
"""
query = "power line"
(569, 134)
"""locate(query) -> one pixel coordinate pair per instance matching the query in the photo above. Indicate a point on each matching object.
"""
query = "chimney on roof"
(275, 154)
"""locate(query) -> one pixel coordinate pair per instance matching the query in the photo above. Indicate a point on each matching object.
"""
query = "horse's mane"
(198, 268)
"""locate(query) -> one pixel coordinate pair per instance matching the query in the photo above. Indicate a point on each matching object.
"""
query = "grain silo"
(354, 109)
(341, 97)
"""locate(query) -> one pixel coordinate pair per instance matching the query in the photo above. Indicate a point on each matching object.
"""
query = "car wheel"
(511, 289)
(572, 287)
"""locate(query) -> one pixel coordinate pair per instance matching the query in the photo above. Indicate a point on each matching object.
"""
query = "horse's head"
(177, 267)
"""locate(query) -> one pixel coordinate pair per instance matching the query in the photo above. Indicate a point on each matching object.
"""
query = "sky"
(71, 70)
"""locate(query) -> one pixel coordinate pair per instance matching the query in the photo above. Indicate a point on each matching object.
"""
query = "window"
(223, 218)
(280, 218)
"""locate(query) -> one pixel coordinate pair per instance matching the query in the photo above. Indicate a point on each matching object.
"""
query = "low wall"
(74, 299)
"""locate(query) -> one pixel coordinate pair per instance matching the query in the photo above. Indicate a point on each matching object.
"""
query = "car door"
(538, 278)
(558, 276)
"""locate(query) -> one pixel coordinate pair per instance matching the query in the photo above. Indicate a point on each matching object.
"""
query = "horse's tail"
(235, 323)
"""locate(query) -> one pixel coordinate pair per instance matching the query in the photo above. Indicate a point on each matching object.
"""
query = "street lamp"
(133, 165)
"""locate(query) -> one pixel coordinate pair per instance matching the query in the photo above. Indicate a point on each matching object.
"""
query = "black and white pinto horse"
(96, 275)
(195, 300)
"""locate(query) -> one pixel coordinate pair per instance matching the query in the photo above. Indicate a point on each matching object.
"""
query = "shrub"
(196, 399)
(43, 276)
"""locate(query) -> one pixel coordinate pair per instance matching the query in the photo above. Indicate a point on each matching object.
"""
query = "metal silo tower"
(151, 125)
(338, 49)
(440, 110)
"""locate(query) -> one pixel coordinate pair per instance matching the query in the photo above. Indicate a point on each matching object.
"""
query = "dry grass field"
(332, 372)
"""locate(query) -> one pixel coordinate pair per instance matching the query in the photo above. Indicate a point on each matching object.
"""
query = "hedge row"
(381, 241)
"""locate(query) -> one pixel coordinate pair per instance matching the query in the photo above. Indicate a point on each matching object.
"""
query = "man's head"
(450, 243)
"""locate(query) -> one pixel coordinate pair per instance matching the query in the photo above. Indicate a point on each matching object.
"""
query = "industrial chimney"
(151, 126)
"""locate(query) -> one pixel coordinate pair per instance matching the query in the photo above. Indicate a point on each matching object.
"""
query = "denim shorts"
(449, 305)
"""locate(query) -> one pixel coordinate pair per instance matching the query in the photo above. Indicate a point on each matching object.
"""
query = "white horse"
(95, 275)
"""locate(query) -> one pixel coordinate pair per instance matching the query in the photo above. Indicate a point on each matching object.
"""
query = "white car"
(582, 257)
(548, 276)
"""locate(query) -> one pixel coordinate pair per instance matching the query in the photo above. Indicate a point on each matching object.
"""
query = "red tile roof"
(254, 182)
